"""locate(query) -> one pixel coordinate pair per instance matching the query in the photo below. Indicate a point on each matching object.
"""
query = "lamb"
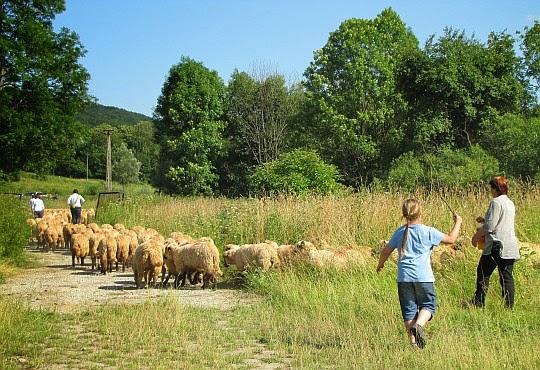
(107, 253)
(201, 256)
(80, 247)
(147, 262)
(261, 255)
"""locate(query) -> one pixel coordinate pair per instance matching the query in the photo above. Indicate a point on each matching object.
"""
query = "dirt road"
(62, 288)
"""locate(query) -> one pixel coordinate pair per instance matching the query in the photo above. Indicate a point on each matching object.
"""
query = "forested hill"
(98, 114)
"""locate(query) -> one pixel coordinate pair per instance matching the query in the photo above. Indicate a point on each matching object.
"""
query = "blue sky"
(132, 44)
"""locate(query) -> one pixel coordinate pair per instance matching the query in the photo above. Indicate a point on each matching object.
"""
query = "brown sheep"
(52, 237)
(94, 246)
(107, 253)
(202, 256)
(80, 247)
(133, 243)
(68, 230)
(41, 227)
(180, 238)
(147, 263)
(123, 242)
(93, 226)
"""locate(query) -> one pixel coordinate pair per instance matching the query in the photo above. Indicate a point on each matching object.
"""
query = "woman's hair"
(500, 184)
(411, 211)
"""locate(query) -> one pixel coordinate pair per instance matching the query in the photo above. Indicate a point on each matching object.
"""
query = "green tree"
(514, 140)
(530, 47)
(188, 129)
(259, 107)
(125, 166)
(297, 172)
(42, 84)
(456, 85)
(354, 105)
(140, 139)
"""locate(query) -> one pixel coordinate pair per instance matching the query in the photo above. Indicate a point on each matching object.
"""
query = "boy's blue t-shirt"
(415, 266)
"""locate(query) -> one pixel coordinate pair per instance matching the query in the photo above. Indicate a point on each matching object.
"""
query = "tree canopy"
(374, 108)
(42, 85)
(188, 128)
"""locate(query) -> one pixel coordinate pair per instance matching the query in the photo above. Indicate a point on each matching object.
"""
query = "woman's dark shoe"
(419, 335)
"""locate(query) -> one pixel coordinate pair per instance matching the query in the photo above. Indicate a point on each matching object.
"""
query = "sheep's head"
(303, 246)
(228, 257)
(167, 252)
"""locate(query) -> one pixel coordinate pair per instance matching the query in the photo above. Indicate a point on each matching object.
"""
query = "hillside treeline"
(373, 108)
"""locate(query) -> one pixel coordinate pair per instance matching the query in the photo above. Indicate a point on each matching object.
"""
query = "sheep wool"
(262, 255)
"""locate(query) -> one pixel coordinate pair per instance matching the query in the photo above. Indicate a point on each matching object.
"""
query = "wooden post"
(108, 172)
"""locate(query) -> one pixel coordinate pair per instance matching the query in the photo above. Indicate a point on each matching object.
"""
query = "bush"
(448, 168)
(459, 168)
(406, 171)
(298, 172)
(14, 231)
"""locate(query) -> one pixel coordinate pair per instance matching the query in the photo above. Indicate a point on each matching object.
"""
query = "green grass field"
(307, 318)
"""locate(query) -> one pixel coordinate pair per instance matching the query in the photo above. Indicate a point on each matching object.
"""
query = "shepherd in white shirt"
(75, 202)
(38, 207)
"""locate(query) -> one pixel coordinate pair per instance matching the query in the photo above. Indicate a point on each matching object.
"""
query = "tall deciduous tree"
(356, 109)
(188, 128)
(42, 84)
(456, 85)
(259, 108)
(530, 46)
(125, 166)
(140, 139)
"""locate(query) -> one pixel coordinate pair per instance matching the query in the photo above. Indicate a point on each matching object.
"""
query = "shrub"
(448, 168)
(298, 172)
(14, 231)
(406, 171)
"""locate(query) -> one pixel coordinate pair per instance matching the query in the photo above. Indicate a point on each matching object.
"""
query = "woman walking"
(501, 245)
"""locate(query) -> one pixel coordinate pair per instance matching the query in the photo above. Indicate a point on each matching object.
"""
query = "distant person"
(416, 289)
(501, 245)
(38, 207)
(75, 202)
(31, 202)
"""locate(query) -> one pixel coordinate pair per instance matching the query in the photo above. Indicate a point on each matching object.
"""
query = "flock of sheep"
(150, 254)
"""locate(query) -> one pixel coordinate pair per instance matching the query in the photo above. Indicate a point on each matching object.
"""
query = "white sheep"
(262, 255)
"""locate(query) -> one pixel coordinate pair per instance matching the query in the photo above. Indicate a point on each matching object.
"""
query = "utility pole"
(108, 173)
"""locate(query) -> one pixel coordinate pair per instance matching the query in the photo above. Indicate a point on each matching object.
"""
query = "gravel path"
(60, 287)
